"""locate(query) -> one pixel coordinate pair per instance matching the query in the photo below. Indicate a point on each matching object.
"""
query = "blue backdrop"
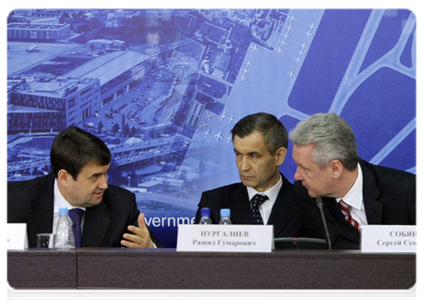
(163, 88)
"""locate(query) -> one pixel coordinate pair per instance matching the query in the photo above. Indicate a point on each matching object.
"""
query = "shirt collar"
(354, 197)
(272, 193)
(59, 200)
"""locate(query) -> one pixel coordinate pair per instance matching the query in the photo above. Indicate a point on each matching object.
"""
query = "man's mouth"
(245, 177)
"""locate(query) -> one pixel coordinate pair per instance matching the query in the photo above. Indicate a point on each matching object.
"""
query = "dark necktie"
(255, 203)
(345, 209)
(76, 216)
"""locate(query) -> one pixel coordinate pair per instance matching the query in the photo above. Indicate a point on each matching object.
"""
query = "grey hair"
(332, 136)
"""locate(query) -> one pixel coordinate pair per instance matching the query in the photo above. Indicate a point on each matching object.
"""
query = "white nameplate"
(388, 238)
(225, 238)
(16, 236)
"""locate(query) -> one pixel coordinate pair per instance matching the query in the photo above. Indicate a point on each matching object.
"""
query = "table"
(94, 268)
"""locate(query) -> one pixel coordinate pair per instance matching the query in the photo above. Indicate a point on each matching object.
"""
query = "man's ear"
(280, 156)
(336, 168)
(63, 177)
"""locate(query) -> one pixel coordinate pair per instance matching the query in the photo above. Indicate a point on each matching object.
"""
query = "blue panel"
(403, 157)
(327, 60)
(389, 30)
(406, 56)
(375, 122)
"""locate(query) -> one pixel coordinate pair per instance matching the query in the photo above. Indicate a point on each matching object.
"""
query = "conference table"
(114, 268)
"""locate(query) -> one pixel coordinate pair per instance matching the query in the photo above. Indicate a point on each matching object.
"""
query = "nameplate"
(388, 238)
(225, 238)
(16, 236)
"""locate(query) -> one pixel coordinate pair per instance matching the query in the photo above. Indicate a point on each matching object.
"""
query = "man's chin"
(312, 194)
(248, 183)
(95, 201)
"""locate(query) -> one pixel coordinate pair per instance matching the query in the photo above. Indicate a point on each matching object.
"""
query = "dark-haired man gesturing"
(80, 162)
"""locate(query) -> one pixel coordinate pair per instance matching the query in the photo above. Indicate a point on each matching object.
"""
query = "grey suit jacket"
(285, 216)
(32, 202)
(389, 197)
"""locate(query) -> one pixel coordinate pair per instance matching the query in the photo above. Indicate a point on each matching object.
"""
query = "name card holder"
(16, 236)
(388, 238)
(225, 238)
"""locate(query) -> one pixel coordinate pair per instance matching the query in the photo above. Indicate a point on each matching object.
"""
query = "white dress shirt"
(60, 201)
(354, 198)
(266, 207)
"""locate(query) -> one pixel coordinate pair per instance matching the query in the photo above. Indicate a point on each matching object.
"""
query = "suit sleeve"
(135, 213)
(203, 203)
(411, 201)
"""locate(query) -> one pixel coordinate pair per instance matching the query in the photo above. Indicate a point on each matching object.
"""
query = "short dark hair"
(73, 148)
(274, 132)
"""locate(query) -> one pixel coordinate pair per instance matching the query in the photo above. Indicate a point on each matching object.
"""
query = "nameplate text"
(225, 238)
(388, 238)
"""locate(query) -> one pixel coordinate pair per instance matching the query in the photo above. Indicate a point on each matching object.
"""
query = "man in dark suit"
(260, 144)
(80, 162)
(353, 192)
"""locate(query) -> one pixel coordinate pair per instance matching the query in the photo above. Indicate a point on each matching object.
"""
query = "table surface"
(92, 268)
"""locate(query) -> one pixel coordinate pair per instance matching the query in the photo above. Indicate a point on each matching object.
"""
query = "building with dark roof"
(37, 32)
(53, 105)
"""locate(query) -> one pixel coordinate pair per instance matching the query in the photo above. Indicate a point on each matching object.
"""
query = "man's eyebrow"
(302, 166)
(96, 174)
(253, 152)
(248, 153)
(99, 173)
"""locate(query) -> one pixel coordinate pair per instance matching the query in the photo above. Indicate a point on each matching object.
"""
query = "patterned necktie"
(255, 203)
(75, 215)
(345, 209)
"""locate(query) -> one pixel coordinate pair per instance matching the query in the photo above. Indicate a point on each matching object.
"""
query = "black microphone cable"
(320, 206)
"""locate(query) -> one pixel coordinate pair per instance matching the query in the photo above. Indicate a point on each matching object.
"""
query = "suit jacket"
(285, 216)
(389, 197)
(32, 202)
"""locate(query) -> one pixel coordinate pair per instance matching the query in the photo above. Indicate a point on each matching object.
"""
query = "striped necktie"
(345, 209)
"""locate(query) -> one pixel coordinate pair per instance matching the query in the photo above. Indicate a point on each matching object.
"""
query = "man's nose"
(103, 182)
(298, 176)
(245, 164)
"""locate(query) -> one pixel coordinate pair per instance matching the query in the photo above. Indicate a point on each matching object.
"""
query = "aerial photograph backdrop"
(164, 87)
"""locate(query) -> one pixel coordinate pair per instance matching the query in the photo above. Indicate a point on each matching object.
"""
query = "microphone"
(320, 206)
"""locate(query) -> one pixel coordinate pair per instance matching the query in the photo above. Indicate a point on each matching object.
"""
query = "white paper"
(388, 238)
(225, 238)
(16, 236)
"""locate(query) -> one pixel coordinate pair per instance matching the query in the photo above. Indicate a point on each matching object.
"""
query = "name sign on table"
(388, 238)
(16, 236)
(225, 238)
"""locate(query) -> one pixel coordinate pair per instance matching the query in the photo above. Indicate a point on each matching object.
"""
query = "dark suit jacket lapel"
(96, 224)
(41, 221)
(371, 193)
(240, 206)
(283, 208)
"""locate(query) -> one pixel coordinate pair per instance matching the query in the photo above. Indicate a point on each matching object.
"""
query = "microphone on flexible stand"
(320, 206)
